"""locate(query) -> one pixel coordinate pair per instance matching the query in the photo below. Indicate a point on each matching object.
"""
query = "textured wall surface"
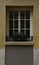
(35, 20)
(2, 56)
(35, 4)
(36, 56)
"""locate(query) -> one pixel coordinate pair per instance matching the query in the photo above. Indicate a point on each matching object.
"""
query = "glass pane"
(10, 33)
(10, 23)
(22, 23)
(27, 23)
(15, 14)
(27, 14)
(11, 14)
(22, 14)
(27, 33)
(15, 31)
(15, 23)
(22, 32)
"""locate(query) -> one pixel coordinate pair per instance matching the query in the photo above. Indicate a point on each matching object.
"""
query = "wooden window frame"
(31, 26)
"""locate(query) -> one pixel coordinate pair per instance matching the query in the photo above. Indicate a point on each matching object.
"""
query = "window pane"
(10, 33)
(27, 14)
(10, 23)
(11, 14)
(27, 23)
(15, 23)
(22, 14)
(22, 32)
(15, 14)
(22, 23)
(15, 31)
(27, 33)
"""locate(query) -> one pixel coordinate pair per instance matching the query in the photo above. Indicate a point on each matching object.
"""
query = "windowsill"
(24, 41)
(20, 43)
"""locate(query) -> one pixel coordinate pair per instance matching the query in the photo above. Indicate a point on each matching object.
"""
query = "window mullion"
(18, 22)
(31, 28)
(13, 23)
(25, 24)
(8, 25)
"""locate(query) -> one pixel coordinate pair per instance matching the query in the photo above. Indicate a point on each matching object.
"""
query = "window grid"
(25, 30)
(19, 23)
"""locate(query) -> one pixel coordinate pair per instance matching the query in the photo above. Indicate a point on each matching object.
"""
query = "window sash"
(19, 23)
(31, 32)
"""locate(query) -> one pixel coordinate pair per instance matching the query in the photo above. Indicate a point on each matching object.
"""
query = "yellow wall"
(34, 3)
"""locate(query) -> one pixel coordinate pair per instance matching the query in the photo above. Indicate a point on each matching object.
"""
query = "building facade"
(8, 8)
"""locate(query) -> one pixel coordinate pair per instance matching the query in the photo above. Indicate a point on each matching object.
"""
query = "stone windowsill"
(19, 43)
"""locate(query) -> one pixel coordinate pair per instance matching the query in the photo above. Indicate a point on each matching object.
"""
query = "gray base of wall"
(2, 56)
(35, 56)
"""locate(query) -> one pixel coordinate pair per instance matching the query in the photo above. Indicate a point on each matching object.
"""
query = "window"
(19, 22)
